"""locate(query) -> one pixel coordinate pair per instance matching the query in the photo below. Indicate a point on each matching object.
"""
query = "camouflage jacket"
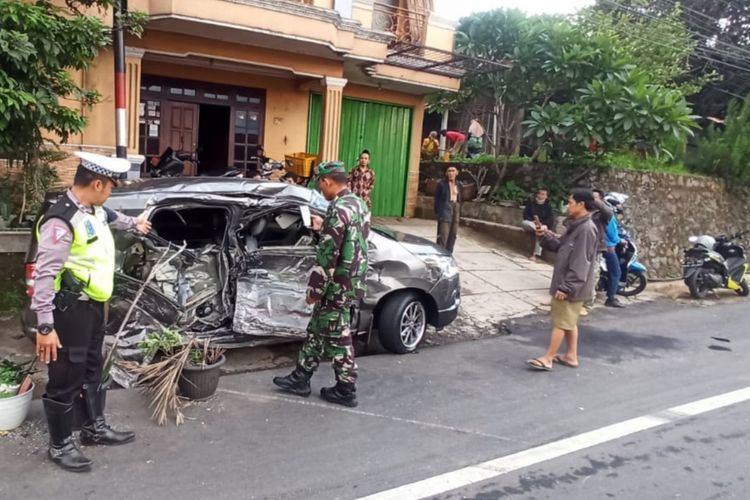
(338, 277)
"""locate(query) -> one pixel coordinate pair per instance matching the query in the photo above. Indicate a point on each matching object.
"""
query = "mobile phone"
(537, 222)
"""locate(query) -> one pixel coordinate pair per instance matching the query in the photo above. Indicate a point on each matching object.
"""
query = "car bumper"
(448, 300)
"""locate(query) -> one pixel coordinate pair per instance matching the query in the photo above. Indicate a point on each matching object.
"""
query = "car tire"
(402, 323)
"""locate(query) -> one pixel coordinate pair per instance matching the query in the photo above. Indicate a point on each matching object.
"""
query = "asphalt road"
(442, 410)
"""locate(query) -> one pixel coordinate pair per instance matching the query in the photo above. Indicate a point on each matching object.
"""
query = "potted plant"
(430, 186)
(16, 389)
(158, 345)
(176, 370)
(200, 375)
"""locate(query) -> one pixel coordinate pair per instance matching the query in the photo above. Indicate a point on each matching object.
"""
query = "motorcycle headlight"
(444, 266)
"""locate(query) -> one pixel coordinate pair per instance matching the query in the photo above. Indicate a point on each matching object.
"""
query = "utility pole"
(121, 113)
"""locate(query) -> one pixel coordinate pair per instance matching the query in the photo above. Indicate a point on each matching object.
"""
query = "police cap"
(112, 168)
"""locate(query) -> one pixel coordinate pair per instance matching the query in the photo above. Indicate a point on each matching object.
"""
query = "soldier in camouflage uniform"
(336, 283)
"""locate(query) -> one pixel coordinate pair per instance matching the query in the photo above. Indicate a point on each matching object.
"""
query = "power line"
(701, 36)
(700, 55)
(711, 24)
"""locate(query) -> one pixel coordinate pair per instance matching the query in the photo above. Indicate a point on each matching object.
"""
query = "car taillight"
(30, 278)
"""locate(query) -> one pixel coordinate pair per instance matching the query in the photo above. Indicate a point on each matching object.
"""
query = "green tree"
(724, 151)
(721, 31)
(40, 44)
(660, 46)
(619, 112)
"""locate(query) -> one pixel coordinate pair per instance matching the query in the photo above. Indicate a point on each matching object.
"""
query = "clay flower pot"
(469, 191)
(200, 382)
(430, 186)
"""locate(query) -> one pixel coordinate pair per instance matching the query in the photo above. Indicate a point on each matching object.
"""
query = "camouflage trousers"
(329, 336)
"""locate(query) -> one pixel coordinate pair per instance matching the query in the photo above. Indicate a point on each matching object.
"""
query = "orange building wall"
(285, 129)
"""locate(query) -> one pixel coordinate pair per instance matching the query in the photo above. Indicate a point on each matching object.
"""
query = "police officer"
(73, 281)
(336, 283)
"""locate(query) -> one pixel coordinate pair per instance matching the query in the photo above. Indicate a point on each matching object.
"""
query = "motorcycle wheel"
(743, 291)
(697, 285)
(635, 284)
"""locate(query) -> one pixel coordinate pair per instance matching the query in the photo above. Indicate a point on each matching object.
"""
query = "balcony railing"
(406, 24)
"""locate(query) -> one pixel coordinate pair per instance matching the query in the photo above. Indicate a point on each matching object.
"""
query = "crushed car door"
(278, 253)
(188, 288)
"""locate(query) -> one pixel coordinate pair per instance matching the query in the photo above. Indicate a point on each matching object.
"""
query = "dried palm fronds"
(205, 353)
(158, 382)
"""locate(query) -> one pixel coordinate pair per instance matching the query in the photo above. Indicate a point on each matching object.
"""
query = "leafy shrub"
(510, 191)
(724, 152)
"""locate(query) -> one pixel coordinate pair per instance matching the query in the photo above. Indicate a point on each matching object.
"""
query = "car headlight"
(440, 266)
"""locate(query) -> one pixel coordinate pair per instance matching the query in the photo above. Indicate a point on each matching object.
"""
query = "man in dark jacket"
(540, 207)
(572, 279)
(448, 209)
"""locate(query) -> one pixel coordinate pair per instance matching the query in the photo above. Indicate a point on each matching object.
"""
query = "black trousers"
(447, 230)
(81, 330)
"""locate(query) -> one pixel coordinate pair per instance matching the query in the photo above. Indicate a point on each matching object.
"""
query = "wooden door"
(180, 132)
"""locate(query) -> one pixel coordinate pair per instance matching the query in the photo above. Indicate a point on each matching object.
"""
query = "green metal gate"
(382, 129)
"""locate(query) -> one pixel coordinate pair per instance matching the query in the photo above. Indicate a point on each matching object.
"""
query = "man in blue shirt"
(612, 240)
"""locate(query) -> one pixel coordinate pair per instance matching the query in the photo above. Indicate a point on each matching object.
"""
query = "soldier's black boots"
(297, 382)
(95, 430)
(341, 393)
(63, 450)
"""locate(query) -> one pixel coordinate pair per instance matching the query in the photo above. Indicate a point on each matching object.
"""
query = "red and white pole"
(121, 112)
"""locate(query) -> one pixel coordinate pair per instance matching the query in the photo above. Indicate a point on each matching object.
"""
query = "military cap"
(331, 168)
(104, 165)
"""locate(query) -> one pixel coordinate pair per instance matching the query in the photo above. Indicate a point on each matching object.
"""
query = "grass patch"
(631, 162)
(11, 300)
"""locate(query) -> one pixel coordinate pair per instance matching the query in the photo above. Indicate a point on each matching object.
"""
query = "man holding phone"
(336, 284)
(538, 212)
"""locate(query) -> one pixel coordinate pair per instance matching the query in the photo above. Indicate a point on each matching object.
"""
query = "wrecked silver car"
(229, 259)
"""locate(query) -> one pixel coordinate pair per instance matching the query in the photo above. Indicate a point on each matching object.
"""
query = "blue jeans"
(613, 269)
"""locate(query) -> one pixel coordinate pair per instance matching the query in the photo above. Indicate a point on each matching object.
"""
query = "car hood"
(413, 244)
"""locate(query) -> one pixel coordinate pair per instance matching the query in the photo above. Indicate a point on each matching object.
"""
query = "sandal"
(559, 359)
(538, 364)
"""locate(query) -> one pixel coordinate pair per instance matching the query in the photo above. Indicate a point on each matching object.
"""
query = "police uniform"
(73, 280)
(336, 283)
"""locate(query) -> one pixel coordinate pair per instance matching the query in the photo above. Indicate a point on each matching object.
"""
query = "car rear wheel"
(402, 323)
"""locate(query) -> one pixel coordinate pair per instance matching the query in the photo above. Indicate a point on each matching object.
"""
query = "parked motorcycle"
(633, 273)
(169, 164)
(715, 263)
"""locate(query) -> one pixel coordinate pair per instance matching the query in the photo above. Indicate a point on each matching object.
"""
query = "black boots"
(614, 303)
(62, 449)
(297, 382)
(95, 430)
(341, 393)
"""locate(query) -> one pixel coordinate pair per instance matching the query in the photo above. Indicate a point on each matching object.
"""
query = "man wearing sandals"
(572, 278)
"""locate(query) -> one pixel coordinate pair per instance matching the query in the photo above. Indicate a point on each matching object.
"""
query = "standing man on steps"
(73, 280)
(336, 284)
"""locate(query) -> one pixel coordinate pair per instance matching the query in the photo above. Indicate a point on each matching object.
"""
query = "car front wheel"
(402, 323)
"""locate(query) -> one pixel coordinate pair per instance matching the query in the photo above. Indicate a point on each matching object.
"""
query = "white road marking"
(472, 474)
(265, 398)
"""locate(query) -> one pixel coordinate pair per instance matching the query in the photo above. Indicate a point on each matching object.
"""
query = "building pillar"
(412, 178)
(133, 57)
(330, 127)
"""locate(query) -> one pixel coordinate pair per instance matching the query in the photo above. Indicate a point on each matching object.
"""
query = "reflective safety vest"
(92, 253)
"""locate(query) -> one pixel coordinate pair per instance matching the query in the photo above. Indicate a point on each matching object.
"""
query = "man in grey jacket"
(572, 279)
